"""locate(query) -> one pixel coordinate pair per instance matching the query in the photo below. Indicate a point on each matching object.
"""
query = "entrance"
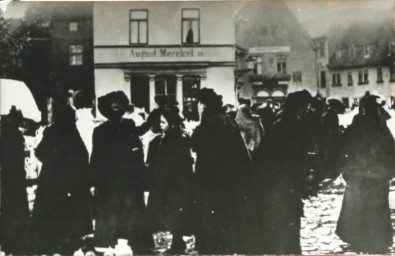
(140, 91)
(166, 85)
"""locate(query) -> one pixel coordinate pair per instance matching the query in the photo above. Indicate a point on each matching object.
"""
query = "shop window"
(336, 81)
(139, 26)
(379, 75)
(349, 78)
(139, 86)
(190, 87)
(282, 64)
(190, 26)
(73, 26)
(323, 79)
(166, 85)
(75, 55)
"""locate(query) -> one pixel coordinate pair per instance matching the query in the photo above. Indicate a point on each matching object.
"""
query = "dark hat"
(298, 99)
(161, 99)
(335, 103)
(105, 102)
(209, 98)
(372, 102)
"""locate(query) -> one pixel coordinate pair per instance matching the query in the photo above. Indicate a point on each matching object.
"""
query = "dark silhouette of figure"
(189, 38)
(279, 164)
(364, 220)
(153, 119)
(331, 138)
(224, 182)
(117, 168)
(14, 205)
(267, 114)
(61, 216)
(171, 173)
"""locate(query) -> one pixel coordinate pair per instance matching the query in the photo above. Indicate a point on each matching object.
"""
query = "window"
(190, 86)
(73, 26)
(336, 82)
(349, 78)
(166, 85)
(297, 77)
(338, 54)
(190, 26)
(322, 49)
(366, 51)
(75, 55)
(323, 79)
(258, 66)
(351, 52)
(363, 76)
(379, 75)
(282, 64)
(139, 26)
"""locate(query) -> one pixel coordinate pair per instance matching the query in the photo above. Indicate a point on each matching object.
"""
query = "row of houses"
(255, 50)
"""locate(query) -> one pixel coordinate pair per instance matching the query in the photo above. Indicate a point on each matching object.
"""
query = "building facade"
(282, 61)
(172, 48)
(363, 61)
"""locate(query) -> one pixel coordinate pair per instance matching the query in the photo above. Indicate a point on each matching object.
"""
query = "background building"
(284, 61)
(172, 48)
(363, 61)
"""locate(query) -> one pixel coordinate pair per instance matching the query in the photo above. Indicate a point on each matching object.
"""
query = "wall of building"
(221, 79)
(164, 22)
(385, 89)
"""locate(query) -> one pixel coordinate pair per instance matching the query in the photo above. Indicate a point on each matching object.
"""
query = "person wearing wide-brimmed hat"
(364, 220)
(117, 165)
(279, 164)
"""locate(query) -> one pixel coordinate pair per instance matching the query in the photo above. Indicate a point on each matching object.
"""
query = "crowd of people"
(236, 182)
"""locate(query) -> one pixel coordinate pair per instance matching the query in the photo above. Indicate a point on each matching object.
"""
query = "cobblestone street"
(319, 224)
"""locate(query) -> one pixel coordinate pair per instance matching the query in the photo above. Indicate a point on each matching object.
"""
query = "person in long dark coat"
(170, 203)
(224, 182)
(61, 216)
(117, 168)
(331, 138)
(279, 163)
(14, 205)
(364, 220)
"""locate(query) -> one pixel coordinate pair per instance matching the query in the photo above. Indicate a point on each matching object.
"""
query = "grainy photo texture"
(197, 127)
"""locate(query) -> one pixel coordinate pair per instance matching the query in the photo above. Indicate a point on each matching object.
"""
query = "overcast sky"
(317, 16)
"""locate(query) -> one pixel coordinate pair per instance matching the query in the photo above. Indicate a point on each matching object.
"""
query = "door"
(139, 86)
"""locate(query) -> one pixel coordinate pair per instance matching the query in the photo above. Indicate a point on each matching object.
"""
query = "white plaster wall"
(221, 79)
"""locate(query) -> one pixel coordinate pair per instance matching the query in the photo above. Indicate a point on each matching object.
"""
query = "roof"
(375, 35)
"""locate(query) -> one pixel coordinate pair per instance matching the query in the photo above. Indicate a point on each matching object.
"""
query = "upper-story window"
(351, 52)
(282, 64)
(139, 26)
(258, 66)
(75, 55)
(336, 80)
(379, 75)
(321, 49)
(349, 78)
(366, 51)
(73, 26)
(190, 19)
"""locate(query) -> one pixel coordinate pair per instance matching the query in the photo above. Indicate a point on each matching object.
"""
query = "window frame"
(138, 26)
(76, 54)
(189, 19)
(379, 75)
(283, 70)
(71, 23)
(350, 79)
(336, 80)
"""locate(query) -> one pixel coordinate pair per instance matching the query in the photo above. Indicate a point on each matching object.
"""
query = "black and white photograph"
(187, 127)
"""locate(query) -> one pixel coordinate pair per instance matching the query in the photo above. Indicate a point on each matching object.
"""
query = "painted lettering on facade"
(165, 53)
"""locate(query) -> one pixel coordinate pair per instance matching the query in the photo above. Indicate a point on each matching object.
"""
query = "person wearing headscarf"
(117, 164)
(280, 169)
(331, 138)
(364, 220)
(14, 205)
(224, 182)
(171, 179)
(61, 216)
(250, 126)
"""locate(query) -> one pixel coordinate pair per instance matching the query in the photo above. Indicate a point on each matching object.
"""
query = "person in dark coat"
(331, 138)
(171, 168)
(364, 220)
(14, 205)
(61, 216)
(279, 164)
(117, 168)
(224, 182)
(267, 114)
